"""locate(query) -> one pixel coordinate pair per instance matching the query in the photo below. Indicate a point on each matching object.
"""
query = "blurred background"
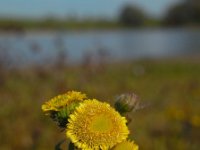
(103, 48)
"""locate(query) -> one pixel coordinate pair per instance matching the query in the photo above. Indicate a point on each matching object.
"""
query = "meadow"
(169, 88)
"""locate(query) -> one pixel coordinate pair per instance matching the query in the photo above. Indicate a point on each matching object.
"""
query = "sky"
(80, 8)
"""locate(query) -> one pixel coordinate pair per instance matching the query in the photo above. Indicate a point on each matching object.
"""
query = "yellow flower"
(195, 120)
(126, 145)
(60, 101)
(96, 125)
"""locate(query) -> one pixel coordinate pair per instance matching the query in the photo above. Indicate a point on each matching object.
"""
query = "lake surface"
(75, 47)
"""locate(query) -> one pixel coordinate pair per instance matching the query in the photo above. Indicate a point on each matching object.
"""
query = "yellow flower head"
(60, 101)
(126, 145)
(96, 125)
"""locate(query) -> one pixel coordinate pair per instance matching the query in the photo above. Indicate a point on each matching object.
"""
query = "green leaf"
(71, 146)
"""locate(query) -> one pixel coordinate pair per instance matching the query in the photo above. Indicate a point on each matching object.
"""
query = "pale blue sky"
(92, 8)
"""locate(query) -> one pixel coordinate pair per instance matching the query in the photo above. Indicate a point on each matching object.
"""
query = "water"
(74, 46)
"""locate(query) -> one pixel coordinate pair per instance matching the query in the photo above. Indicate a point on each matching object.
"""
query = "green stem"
(71, 146)
(57, 147)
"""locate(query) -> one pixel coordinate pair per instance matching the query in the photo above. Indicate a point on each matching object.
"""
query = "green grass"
(68, 24)
(52, 24)
(171, 88)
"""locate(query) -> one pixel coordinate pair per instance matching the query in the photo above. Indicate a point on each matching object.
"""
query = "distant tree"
(131, 16)
(187, 12)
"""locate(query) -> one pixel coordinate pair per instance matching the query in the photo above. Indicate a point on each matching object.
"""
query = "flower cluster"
(89, 123)
(60, 107)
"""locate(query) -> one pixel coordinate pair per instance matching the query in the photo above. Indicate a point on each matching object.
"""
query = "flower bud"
(126, 103)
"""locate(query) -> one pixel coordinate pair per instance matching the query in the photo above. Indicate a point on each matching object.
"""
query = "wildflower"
(60, 107)
(126, 145)
(177, 113)
(195, 120)
(60, 101)
(96, 125)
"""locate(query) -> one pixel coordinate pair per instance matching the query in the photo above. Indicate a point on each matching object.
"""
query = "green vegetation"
(185, 13)
(170, 88)
(55, 24)
(51, 24)
(132, 16)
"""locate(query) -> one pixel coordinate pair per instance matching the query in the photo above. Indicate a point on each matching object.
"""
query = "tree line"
(185, 13)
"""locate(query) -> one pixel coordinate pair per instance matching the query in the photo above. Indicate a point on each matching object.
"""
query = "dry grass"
(170, 87)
